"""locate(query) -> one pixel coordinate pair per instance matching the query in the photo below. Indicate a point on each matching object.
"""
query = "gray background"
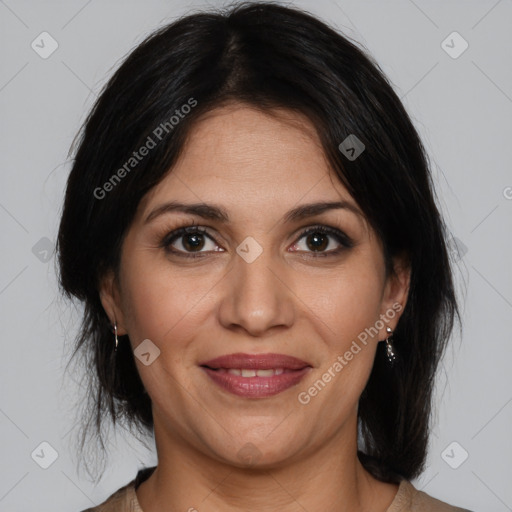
(461, 107)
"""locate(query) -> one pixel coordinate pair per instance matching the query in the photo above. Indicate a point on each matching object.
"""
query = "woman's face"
(250, 282)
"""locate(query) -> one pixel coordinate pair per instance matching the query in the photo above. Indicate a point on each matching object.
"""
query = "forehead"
(250, 161)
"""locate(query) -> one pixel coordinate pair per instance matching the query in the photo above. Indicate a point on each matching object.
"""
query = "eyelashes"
(193, 232)
(343, 240)
(194, 236)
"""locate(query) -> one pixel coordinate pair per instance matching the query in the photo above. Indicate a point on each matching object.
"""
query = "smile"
(255, 375)
(246, 372)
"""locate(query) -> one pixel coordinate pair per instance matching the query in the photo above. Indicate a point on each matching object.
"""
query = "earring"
(115, 335)
(390, 349)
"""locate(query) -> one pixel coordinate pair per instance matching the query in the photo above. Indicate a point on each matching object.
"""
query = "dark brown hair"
(267, 56)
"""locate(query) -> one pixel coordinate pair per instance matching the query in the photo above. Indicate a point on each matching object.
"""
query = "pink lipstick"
(256, 375)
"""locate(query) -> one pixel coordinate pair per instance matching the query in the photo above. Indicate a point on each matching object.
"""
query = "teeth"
(264, 373)
(243, 372)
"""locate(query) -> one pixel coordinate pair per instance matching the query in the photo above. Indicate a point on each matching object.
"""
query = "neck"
(327, 477)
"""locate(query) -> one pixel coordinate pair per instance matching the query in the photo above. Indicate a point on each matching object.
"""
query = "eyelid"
(179, 232)
(337, 233)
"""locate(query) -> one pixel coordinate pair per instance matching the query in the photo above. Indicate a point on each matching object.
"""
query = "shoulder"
(124, 499)
(409, 498)
(119, 501)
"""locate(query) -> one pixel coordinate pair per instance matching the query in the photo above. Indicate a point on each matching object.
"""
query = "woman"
(251, 226)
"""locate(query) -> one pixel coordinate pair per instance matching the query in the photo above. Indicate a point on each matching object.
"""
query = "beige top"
(407, 499)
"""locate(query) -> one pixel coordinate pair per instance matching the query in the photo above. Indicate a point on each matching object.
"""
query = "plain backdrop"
(461, 103)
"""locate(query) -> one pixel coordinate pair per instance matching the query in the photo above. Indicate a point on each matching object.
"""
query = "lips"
(256, 362)
(256, 375)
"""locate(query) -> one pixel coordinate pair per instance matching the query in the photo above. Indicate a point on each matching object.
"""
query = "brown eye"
(323, 240)
(188, 240)
(317, 241)
(193, 241)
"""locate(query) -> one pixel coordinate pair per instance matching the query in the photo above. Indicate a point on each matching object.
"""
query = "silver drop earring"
(115, 335)
(390, 349)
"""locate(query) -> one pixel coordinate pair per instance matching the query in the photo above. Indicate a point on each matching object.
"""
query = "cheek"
(161, 308)
(152, 305)
(345, 303)
(163, 305)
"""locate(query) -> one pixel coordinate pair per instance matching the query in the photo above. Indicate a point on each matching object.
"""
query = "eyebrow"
(213, 212)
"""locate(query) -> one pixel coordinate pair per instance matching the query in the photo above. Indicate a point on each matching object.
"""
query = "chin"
(257, 453)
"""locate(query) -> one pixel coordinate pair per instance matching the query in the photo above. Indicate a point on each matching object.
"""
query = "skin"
(289, 300)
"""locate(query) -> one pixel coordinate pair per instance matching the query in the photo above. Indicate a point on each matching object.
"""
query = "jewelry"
(115, 334)
(390, 349)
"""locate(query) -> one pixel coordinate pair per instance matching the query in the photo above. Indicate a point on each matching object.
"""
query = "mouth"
(255, 375)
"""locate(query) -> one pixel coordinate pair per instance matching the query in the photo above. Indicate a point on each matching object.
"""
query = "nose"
(256, 296)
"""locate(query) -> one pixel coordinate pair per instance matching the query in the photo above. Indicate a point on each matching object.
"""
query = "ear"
(110, 297)
(396, 292)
